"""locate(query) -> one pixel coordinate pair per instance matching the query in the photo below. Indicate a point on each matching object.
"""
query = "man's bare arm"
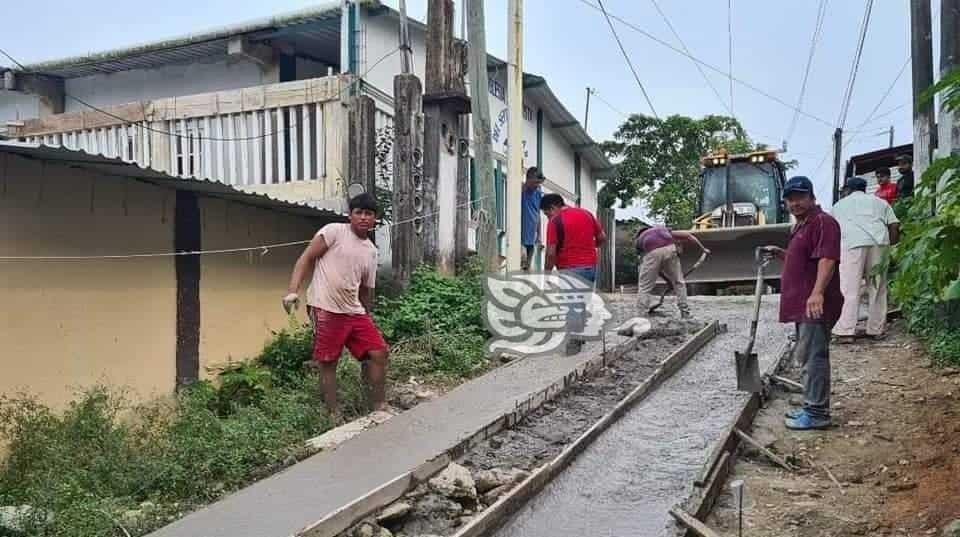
(894, 230)
(551, 258)
(304, 265)
(825, 270)
(366, 298)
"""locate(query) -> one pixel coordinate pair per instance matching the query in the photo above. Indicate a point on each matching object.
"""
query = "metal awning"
(118, 168)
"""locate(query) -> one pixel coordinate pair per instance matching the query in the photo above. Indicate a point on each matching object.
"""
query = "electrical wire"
(851, 81)
(126, 122)
(263, 249)
(715, 69)
(627, 58)
(683, 45)
(817, 29)
(606, 102)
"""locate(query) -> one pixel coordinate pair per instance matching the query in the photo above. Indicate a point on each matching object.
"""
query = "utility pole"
(837, 149)
(891, 136)
(408, 188)
(405, 50)
(444, 101)
(464, 208)
(921, 52)
(483, 152)
(515, 131)
(948, 141)
(586, 113)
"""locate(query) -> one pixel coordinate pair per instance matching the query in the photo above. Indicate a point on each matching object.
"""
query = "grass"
(106, 466)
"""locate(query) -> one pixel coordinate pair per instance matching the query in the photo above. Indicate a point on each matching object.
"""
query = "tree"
(659, 161)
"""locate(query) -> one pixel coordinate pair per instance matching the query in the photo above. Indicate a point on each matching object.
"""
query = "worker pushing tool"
(657, 249)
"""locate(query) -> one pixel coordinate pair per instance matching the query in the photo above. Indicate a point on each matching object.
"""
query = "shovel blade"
(748, 372)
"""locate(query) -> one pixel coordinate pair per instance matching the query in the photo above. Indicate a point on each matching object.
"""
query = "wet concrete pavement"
(625, 483)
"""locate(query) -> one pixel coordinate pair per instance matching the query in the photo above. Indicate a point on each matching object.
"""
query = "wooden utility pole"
(408, 210)
(444, 101)
(921, 51)
(361, 144)
(483, 152)
(837, 150)
(463, 217)
(515, 131)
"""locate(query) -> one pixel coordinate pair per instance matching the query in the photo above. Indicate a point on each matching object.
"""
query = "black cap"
(797, 184)
(905, 158)
(534, 173)
(857, 183)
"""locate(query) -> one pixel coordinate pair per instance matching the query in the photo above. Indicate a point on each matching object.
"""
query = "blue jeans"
(577, 316)
(586, 273)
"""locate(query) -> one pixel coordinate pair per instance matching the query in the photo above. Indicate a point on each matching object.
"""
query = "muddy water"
(625, 483)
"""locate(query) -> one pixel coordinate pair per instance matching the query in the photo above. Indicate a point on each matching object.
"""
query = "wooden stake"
(692, 524)
(766, 452)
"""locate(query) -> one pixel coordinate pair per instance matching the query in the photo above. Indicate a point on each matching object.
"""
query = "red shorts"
(333, 331)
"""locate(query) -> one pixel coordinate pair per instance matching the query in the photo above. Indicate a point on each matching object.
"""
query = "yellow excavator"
(740, 207)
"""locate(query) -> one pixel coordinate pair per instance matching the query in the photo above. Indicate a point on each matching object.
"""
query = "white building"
(258, 106)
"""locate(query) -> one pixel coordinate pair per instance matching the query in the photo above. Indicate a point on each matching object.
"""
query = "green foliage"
(86, 469)
(927, 284)
(660, 161)
(286, 353)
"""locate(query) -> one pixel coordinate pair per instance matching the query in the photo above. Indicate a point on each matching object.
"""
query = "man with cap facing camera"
(868, 227)
(810, 297)
(905, 183)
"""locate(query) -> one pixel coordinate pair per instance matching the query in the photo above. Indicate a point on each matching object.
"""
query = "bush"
(926, 283)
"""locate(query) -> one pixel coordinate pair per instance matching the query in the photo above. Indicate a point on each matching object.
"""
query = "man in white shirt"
(868, 227)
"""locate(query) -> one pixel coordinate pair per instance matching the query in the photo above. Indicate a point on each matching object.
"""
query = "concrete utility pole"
(407, 237)
(483, 152)
(444, 100)
(948, 141)
(921, 47)
(837, 150)
(515, 131)
(462, 230)
(891, 136)
(586, 113)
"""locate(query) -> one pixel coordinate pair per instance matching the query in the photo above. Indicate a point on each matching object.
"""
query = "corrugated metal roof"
(210, 43)
(119, 168)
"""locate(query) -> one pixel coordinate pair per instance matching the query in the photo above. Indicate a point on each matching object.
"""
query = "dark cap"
(534, 173)
(857, 183)
(798, 183)
(905, 158)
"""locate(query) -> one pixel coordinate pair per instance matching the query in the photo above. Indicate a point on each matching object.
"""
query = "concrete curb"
(716, 470)
(343, 518)
(513, 500)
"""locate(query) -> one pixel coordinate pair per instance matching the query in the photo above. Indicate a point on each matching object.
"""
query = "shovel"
(703, 257)
(748, 366)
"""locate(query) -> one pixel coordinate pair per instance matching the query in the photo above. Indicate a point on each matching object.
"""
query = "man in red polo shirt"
(573, 236)
(810, 297)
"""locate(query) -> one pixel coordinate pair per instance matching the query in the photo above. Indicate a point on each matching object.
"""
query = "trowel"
(748, 366)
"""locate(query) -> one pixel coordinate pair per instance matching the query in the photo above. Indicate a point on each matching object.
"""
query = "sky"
(570, 43)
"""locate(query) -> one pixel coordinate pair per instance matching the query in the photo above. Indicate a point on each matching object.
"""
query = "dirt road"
(895, 449)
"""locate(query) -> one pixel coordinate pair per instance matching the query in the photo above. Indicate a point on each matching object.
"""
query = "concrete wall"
(15, 105)
(240, 293)
(67, 325)
(379, 34)
(71, 324)
(168, 81)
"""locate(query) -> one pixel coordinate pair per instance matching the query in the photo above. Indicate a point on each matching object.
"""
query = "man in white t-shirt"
(868, 226)
(344, 265)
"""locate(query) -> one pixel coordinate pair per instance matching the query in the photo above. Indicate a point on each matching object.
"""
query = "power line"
(743, 83)
(687, 51)
(817, 29)
(606, 102)
(730, 49)
(125, 122)
(627, 58)
(851, 82)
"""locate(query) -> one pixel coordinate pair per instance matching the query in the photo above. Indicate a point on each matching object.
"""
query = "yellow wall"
(65, 325)
(240, 293)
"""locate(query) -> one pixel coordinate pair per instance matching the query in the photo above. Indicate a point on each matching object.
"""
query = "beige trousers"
(666, 260)
(855, 265)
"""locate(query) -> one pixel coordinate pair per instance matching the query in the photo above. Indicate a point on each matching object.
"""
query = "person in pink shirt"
(343, 262)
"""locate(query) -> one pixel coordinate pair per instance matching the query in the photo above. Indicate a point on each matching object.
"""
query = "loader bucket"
(731, 260)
